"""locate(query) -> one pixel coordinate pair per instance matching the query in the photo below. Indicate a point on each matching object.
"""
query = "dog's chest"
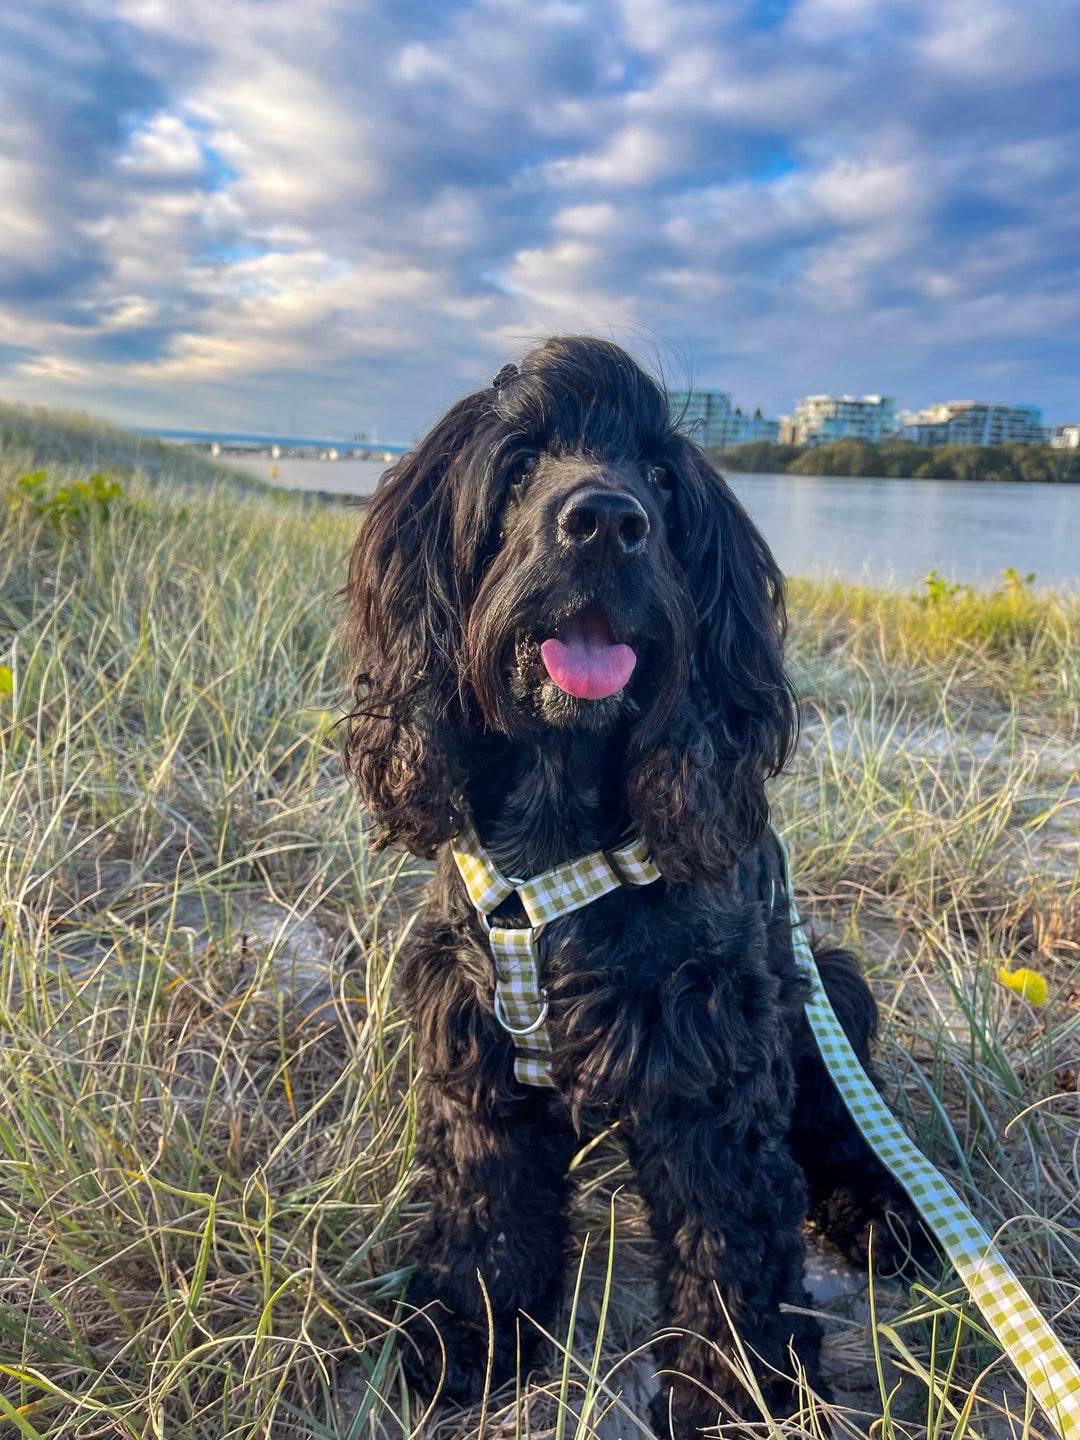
(664, 980)
(615, 938)
(601, 950)
(554, 939)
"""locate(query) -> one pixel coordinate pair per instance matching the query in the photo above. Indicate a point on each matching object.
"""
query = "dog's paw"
(682, 1411)
(445, 1356)
(881, 1224)
(456, 1359)
(686, 1410)
(901, 1246)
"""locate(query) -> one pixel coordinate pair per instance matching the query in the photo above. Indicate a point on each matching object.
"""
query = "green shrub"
(79, 501)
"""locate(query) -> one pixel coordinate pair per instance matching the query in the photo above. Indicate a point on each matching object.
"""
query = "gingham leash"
(521, 1004)
(1047, 1368)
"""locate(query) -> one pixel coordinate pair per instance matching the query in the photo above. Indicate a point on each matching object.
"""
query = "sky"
(333, 216)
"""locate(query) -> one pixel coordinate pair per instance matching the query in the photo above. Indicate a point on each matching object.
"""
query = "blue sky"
(327, 215)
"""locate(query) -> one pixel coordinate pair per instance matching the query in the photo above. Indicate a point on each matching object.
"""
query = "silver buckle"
(500, 1016)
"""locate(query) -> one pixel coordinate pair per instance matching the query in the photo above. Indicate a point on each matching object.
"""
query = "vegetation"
(205, 1106)
(901, 458)
(33, 437)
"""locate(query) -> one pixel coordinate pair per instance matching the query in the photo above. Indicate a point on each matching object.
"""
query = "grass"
(60, 439)
(205, 1122)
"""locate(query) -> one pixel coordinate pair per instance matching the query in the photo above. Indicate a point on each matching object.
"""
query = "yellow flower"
(7, 680)
(1028, 984)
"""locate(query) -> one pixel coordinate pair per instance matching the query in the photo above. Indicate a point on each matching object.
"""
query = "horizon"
(373, 441)
(327, 222)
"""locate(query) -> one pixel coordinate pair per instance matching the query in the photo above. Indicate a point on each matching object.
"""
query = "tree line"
(904, 459)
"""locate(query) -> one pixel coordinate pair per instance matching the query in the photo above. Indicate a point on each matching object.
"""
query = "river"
(886, 532)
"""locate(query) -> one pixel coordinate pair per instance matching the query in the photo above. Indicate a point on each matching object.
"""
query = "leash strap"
(1009, 1310)
(520, 1001)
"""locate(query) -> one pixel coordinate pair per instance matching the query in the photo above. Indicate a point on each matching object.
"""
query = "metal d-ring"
(500, 1016)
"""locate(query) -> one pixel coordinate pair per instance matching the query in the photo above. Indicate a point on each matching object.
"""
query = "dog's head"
(555, 555)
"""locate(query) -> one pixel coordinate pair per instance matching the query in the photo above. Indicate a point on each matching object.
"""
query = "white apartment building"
(964, 422)
(1065, 437)
(718, 424)
(821, 418)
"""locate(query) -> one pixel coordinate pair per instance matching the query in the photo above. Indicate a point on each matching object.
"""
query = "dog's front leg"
(495, 1239)
(725, 1207)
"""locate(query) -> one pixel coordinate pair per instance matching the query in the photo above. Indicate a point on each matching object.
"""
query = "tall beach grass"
(205, 1105)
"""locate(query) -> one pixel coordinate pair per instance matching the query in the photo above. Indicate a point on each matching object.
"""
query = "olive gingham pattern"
(1026, 1338)
(521, 1001)
(519, 995)
(555, 892)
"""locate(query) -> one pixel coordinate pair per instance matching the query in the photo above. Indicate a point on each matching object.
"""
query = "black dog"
(566, 630)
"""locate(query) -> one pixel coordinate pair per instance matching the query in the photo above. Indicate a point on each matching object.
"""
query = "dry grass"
(205, 1125)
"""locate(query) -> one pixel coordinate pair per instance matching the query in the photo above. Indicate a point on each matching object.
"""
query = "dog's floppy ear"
(403, 638)
(698, 790)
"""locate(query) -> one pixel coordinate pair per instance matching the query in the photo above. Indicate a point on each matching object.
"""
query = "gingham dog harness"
(521, 1008)
(521, 1004)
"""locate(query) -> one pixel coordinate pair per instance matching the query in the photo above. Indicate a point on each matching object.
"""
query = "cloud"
(163, 147)
(637, 155)
(345, 214)
(995, 40)
(24, 229)
(52, 367)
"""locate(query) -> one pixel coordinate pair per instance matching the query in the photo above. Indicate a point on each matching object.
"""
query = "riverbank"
(902, 459)
(206, 1090)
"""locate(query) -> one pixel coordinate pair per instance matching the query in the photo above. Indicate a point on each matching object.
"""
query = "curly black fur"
(676, 1007)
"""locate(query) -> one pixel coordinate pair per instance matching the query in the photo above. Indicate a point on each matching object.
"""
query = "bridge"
(239, 439)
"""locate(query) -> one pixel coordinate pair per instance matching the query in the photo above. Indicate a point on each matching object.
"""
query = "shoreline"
(966, 481)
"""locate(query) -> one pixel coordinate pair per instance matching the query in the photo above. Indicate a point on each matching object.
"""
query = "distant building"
(742, 429)
(1065, 437)
(720, 426)
(963, 422)
(821, 418)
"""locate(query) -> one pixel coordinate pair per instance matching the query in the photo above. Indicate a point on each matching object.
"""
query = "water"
(338, 477)
(896, 531)
(881, 531)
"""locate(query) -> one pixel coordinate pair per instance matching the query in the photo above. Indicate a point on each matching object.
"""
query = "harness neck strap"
(555, 892)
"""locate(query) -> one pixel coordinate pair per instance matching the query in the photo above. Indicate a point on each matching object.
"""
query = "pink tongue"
(585, 662)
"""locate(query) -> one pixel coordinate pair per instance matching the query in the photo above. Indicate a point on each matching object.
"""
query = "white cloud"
(817, 21)
(53, 368)
(599, 219)
(24, 228)
(163, 147)
(337, 201)
(1001, 40)
(294, 146)
(561, 287)
(128, 312)
(636, 155)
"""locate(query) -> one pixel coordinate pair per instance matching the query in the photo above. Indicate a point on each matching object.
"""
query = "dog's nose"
(595, 519)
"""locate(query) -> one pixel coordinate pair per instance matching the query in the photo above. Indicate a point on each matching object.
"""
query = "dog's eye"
(523, 469)
(661, 477)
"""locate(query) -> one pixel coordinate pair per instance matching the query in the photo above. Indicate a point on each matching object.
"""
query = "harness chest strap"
(520, 999)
